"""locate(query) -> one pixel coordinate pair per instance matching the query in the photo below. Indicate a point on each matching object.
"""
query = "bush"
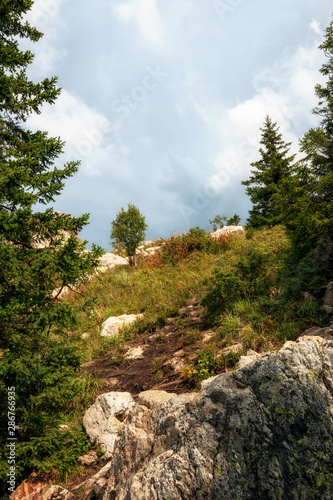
(179, 247)
(45, 389)
(196, 240)
(250, 277)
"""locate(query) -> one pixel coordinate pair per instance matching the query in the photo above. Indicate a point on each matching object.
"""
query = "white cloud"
(82, 128)
(145, 14)
(285, 92)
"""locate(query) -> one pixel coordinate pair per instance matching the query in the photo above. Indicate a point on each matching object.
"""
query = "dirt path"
(165, 352)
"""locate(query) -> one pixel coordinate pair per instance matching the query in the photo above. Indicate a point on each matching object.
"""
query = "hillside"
(202, 304)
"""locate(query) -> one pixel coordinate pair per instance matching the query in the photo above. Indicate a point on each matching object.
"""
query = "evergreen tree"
(264, 186)
(29, 271)
(310, 222)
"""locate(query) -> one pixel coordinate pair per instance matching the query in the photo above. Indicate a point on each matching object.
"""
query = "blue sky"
(162, 100)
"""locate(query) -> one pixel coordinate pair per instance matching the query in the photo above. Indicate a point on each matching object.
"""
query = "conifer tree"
(29, 271)
(264, 186)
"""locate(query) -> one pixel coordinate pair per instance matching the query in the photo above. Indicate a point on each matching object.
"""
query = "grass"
(242, 276)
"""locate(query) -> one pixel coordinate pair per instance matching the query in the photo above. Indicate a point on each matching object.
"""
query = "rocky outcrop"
(264, 431)
(227, 230)
(110, 260)
(100, 420)
(115, 324)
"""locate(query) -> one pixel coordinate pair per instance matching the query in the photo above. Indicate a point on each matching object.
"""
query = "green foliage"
(219, 221)
(271, 171)
(309, 198)
(30, 272)
(45, 389)
(248, 278)
(179, 247)
(128, 229)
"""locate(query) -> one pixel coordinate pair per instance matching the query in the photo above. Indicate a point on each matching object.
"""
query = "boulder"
(151, 399)
(226, 231)
(264, 431)
(115, 324)
(100, 420)
(110, 260)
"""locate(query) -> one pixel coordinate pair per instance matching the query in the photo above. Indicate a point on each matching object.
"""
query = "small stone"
(89, 459)
(135, 353)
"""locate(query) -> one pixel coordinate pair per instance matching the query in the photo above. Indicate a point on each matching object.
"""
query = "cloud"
(145, 14)
(285, 92)
(82, 128)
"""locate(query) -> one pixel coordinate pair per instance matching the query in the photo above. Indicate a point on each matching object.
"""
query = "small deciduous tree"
(270, 173)
(128, 230)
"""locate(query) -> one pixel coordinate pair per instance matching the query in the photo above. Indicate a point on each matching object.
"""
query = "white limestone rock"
(115, 324)
(100, 420)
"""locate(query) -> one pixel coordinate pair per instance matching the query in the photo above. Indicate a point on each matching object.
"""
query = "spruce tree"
(269, 174)
(309, 211)
(31, 271)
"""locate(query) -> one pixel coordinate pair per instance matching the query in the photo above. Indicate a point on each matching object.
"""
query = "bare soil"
(180, 339)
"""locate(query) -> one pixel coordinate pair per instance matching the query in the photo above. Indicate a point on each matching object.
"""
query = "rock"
(100, 420)
(153, 250)
(207, 336)
(95, 485)
(56, 493)
(262, 432)
(135, 353)
(40, 491)
(176, 364)
(110, 260)
(115, 324)
(89, 459)
(236, 348)
(316, 331)
(328, 297)
(249, 358)
(64, 427)
(205, 383)
(308, 296)
(226, 231)
(151, 399)
(28, 490)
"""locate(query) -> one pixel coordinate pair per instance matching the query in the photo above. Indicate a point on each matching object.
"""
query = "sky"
(162, 101)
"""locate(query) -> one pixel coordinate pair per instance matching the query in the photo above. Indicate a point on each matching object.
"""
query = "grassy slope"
(256, 315)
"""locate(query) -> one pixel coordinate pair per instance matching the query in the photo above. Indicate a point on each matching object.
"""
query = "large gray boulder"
(261, 432)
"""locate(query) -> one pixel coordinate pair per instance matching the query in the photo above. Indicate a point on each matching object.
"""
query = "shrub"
(179, 247)
(248, 278)
(45, 390)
